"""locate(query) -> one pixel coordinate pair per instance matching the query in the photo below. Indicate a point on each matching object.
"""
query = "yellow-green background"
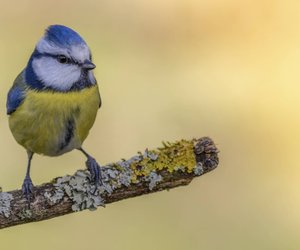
(167, 70)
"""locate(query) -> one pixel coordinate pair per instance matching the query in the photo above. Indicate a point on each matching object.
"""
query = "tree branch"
(175, 164)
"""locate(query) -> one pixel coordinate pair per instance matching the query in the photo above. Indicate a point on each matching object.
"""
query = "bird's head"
(61, 61)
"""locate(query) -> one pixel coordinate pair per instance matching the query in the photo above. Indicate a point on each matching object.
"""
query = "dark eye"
(62, 59)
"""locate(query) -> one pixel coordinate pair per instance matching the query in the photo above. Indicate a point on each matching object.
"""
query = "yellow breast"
(53, 123)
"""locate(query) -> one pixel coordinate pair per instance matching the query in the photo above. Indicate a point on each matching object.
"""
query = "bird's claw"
(27, 189)
(95, 171)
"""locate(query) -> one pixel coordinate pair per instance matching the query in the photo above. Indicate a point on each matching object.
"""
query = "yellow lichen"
(172, 157)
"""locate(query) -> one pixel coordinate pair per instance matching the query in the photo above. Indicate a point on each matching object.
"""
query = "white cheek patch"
(54, 74)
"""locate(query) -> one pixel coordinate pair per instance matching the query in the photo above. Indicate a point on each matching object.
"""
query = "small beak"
(88, 65)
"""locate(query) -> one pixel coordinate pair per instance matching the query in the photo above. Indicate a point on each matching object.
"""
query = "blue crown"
(63, 36)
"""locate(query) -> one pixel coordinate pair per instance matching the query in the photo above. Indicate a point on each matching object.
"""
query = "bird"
(54, 101)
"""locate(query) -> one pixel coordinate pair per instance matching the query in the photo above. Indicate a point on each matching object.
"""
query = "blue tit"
(53, 102)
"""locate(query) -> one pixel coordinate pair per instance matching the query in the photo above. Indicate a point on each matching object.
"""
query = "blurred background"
(168, 70)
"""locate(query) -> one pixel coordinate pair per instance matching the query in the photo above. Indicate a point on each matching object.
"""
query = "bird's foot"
(95, 171)
(27, 188)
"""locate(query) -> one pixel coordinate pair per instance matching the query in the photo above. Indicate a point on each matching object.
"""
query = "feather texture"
(15, 95)
(53, 123)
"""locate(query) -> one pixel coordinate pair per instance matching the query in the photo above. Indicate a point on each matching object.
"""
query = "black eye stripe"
(69, 59)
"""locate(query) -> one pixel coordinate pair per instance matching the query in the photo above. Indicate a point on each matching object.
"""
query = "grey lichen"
(83, 193)
(78, 189)
(25, 214)
(153, 179)
(5, 199)
(198, 170)
(56, 197)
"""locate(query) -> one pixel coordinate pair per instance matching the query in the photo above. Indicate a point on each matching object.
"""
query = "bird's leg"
(27, 187)
(93, 167)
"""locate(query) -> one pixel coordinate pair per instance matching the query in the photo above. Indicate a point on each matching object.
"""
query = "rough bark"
(173, 165)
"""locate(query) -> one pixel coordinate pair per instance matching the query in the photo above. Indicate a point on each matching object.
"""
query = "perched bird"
(54, 101)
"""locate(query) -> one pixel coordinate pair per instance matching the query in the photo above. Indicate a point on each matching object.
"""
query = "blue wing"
(15, 95)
